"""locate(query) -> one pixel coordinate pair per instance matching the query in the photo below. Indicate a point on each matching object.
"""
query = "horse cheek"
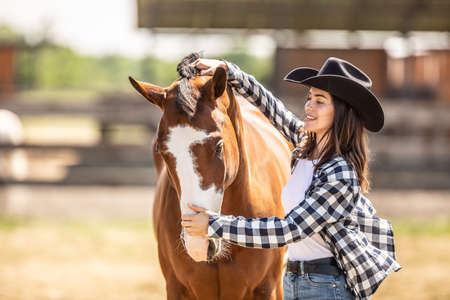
(171, 171)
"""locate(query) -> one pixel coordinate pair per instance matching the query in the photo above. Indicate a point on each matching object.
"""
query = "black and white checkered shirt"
(334, 207)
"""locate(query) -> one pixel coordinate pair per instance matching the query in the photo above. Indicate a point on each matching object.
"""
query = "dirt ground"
(97, 243)
(78, 260)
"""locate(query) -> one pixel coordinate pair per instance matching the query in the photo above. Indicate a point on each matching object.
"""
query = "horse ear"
(153, 93)
(219, 82)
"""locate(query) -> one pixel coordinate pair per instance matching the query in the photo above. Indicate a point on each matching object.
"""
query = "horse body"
(248, 178)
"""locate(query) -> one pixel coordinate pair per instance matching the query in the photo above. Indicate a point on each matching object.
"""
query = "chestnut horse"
(217, 151)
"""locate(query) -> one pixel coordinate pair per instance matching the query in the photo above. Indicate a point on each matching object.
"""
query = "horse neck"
(241, 181)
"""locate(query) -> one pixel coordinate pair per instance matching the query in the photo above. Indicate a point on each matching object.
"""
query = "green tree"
(260, 68)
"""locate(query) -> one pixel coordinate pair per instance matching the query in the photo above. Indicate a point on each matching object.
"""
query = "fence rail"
(412, 151)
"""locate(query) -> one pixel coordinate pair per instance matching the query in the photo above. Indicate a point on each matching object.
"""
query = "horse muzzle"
(201, 249)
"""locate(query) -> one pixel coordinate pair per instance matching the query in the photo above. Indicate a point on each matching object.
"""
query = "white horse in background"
(13, 162)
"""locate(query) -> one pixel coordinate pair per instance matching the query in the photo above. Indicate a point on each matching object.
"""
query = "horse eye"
(219, 149)
(157, 147)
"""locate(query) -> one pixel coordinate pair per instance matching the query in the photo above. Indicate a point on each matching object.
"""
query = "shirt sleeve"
(273, 108)
(326, 203)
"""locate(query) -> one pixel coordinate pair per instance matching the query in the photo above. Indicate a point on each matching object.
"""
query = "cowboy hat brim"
(356, 95)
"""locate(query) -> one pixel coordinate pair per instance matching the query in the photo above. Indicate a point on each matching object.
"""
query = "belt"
(324, 266)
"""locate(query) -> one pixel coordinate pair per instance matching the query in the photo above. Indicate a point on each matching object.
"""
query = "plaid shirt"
(334, 207)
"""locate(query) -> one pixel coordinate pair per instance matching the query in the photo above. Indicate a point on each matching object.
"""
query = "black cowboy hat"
(344, 80)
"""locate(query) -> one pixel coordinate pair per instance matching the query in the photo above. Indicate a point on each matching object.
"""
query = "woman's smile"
(310, 118)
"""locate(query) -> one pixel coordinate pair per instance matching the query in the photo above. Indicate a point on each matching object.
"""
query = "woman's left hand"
(196, 225)
(209, 66)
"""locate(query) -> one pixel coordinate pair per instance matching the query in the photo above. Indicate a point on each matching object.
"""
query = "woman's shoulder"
(337, 167)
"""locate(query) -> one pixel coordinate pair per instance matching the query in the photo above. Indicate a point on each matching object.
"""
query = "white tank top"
(293, 193)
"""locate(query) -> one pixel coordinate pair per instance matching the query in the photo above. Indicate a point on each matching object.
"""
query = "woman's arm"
(273, 108)
(327, 203)
(247, 86)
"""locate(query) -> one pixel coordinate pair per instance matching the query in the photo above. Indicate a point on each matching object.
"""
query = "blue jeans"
(315, 287)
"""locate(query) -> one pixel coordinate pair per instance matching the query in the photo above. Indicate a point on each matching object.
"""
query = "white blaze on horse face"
(179, 143)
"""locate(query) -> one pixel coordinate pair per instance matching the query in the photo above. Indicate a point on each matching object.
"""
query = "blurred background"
(76, 171)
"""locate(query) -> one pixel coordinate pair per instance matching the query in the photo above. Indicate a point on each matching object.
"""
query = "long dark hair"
(347, 138)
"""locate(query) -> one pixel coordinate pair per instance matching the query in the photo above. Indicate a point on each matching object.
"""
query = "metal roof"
(399, 15)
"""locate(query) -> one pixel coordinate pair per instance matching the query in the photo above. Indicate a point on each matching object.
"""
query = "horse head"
(198, 140)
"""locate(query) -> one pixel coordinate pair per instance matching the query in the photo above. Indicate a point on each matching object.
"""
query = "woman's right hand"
(209, 66)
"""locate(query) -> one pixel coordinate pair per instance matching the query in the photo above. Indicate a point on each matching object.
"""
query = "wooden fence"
(412, 151)
(105, 162)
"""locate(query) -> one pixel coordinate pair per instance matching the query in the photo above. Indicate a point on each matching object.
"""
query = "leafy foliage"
(48, 66)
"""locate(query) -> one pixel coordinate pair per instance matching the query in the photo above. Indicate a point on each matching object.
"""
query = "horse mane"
(185, 101)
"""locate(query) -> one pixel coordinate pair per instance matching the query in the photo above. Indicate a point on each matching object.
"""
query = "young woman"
(337, 248)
